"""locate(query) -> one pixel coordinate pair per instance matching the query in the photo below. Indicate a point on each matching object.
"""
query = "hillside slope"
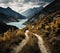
(49, 28)
(47, 24)
(54, 6)
(8, 15)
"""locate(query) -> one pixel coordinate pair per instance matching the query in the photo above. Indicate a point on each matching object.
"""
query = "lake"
(18, 24)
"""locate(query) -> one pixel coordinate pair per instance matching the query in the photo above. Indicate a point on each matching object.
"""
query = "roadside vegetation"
(10, 39)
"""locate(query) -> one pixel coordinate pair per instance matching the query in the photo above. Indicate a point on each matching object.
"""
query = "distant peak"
(8, 8)
(1, 7)
(5, 8)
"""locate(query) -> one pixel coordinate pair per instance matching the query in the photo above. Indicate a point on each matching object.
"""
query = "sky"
(22, 5)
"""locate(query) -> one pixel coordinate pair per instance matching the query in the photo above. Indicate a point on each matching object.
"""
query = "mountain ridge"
(10, 14)
(52, 7)
(32, 11)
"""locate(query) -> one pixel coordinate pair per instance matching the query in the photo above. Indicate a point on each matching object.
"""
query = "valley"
(40, 33)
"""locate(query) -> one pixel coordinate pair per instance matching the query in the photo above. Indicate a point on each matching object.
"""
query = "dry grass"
(10, 39)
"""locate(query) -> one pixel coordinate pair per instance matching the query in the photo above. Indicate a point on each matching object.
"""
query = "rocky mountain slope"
(54, 6)
(8, 15)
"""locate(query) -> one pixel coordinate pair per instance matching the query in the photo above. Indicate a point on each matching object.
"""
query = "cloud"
(17, 0)
(21, 5)
(24, 1)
